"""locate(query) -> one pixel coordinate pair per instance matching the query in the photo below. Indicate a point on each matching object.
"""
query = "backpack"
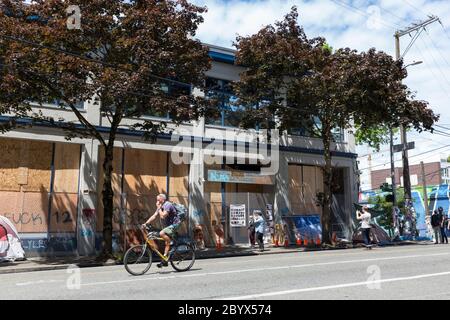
(181, 211)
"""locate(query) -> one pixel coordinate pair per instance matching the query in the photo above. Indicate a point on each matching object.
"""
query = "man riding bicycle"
(169, 218)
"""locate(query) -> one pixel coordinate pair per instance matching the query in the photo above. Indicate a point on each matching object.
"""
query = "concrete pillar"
(87, 213)
(88, 203)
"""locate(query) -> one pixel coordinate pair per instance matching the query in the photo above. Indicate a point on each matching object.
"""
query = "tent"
(10, 246)
(377, 235)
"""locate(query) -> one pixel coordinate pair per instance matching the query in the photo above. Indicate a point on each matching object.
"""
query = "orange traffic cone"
(318, 241)
(299, 242)
(305, 242)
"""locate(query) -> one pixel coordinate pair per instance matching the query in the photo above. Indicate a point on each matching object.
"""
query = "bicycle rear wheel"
(183, 257)
(138, 260)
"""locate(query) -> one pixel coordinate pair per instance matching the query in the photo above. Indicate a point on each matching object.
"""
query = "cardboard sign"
(238, 216)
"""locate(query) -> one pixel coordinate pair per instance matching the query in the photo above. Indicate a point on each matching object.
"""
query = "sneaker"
(162, 264)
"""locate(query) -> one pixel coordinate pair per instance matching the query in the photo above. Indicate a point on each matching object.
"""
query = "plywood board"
(63, 216)
(37, 157)
(296, 197)
(178, 180)
(249, 188)
(304, 184)
(309, 182)
(116, 213)
(145, 172)
(116, 186)
(67, 167)
(295, 176)
(27, 211)
(139, 208)
(9, 164)
(11, 206)
(117, 170)
(25, 162)
(213, 192)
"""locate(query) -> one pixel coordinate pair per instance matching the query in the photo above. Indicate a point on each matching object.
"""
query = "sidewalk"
(46, 264)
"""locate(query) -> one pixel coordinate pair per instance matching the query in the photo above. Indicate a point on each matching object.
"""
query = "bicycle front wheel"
(138, 260)
(183, 257)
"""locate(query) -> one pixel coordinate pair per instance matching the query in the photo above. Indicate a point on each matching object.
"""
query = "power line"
(414, 7)
(445, 30)
(442, 133)
(442, 127)
(444, 89)
(436, 63)
(360, 12)
(437, 49)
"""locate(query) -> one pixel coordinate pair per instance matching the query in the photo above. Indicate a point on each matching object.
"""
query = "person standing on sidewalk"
(251, 231)
(444, 222)
(260, 225)
(365, 217)
(436, 224)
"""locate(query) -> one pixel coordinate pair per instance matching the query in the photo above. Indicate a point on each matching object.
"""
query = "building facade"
(436, 173)
(51, 188)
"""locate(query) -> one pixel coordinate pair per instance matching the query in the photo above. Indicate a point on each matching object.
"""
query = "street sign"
(399, 147)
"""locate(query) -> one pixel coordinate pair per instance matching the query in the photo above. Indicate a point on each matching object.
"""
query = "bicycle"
(138, 259)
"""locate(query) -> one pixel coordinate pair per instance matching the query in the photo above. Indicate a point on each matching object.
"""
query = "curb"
(52, 268)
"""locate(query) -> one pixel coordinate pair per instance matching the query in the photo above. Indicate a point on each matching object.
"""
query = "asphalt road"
(408, 272)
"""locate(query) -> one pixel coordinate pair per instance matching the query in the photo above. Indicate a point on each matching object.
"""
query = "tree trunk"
(327, 181)
(107, 195)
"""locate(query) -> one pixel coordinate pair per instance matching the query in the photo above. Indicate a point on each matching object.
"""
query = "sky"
(361, 25)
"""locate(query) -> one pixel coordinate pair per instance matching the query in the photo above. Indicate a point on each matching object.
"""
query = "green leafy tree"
(293, 81)
(131, 57)
(383, 210)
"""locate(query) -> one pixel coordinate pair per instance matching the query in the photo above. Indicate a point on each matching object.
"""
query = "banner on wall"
(238, 215)
(308, 226)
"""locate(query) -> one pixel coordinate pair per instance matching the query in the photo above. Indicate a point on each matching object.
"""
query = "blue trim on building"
(222, 57)
(166, 136)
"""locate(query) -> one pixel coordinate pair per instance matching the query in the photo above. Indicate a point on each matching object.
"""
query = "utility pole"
(394, 193)
(418, 28)
(424, 183)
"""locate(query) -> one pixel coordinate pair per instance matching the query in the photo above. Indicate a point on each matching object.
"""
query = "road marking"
(32, 283)
(263, 269)
(285, 256)
(340, 286)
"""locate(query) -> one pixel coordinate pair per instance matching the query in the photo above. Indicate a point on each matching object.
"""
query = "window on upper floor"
(307, 130)
(229, 113)
(172, 90)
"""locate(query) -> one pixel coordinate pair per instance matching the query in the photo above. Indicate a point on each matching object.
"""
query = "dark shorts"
(171, 230)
